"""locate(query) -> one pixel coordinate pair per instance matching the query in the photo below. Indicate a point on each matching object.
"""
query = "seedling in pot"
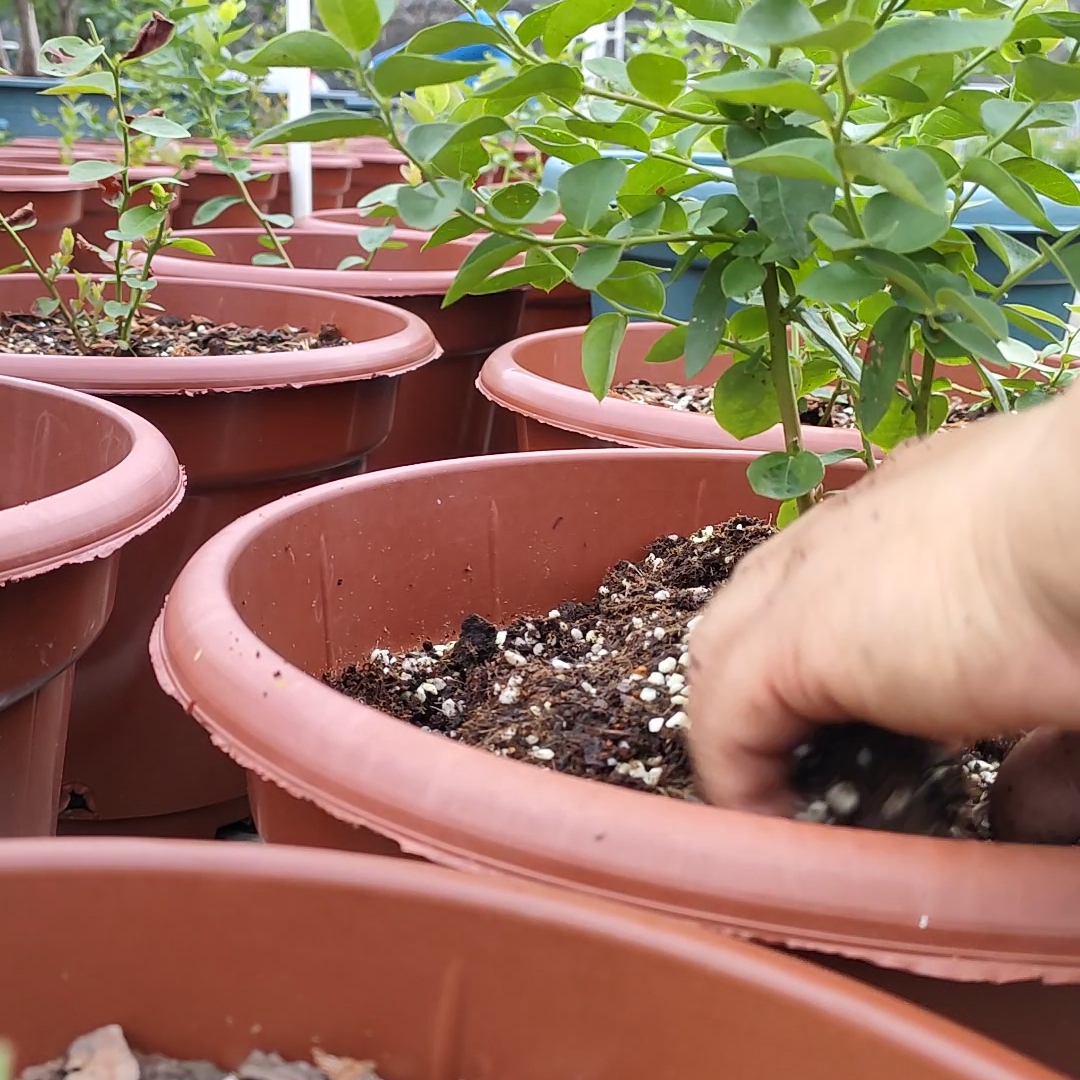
(839, 227)
(199, 68)
(92, 316)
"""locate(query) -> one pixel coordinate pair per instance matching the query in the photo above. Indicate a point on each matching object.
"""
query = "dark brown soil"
(698, 399)
(162, 335)
(104, 1054)
(599, 690)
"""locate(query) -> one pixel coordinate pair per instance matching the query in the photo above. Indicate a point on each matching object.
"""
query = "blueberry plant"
(101, 311)
(832, 261)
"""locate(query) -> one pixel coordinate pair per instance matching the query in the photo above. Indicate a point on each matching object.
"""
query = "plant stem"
(780, 367)
(922, 400)
(125, 184)
(50, 286)
(138, 292)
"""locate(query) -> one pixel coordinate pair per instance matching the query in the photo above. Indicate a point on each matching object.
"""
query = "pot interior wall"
(408, 560)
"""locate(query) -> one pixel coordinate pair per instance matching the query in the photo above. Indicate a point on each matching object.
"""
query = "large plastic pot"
(539, 379)
(565, 305)
(429, 974)
(317, 580)
(247, 429)
(57, 201)
(440, 412)
(80, 479)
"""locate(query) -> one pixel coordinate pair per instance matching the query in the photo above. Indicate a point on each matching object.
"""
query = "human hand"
(938, 598)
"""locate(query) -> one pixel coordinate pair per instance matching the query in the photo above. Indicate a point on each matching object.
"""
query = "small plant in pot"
(221, 368)
(837, 237)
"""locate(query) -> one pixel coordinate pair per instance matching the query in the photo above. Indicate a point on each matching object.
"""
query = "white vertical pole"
(298, 17)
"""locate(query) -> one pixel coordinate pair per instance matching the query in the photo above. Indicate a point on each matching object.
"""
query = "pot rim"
(410, 347)
(369, 283)
(512, 386)
(839, 1002)
(967, 911)
(97, 517)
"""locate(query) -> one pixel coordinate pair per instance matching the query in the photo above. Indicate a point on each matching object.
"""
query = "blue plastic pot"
(1046, 289)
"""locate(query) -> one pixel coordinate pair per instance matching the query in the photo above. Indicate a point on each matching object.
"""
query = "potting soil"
(599, 690)
(156, 334)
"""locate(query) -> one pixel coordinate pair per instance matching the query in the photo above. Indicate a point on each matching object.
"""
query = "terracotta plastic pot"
(79, 480)
(428, 974)
(247, 429)
(208, 182)
(316, 581)
(565, 305)
(331, 177)
(538, 378)
(440, 412)
(58, 204)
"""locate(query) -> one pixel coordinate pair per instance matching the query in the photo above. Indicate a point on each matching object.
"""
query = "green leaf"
(976, 309)
(139, 221)
(975, 341)
(785, 476)
(667, 347)
(834, 234)
(350, 261)
(320, 126)
(883, 365)
(841, 37)
(1042, 80)
(423, 207)
(594, 265)
(741, 277)
(897, 425)
(657, 76)
(189, 244)
(587, 191)
(896, 225)
(1045, 178)
(840, 283)
(161, 127)
(115, 309)
(834, 457)
(213, 209)
(816, 373)
(560, 144)
(634, 285)
(544, 276)
(403, 71)
(562, 82)
(621, 133)
(373, 237)
(267, 258)
(355, 23)
(426, 141)
(744, 400)
(534, 24)
(906, 40)
(765, 86)
(798, 159)
(600, 346)
(707, 317)
(781, 206)
(483, 260)
(92, 82)
(1014, 193)
(90, 171)
(573, 17)
(444, 37)
(899, 270)
(769, 23)
(909, 174)
(788, 513)
(522, 204)
(64, 56)
(303, 49)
